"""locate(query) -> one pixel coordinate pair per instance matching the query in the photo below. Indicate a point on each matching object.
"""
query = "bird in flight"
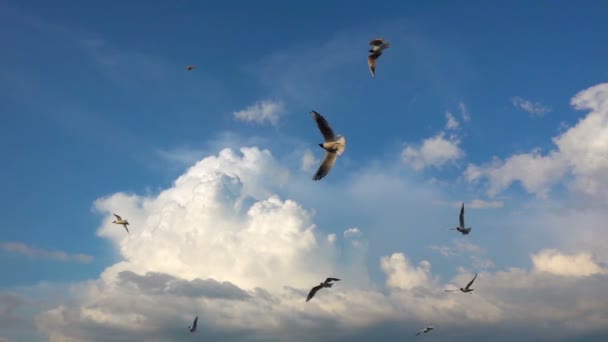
(192, 328)
(327, 283)
(334, 145)
(190, 67)
(378, 45)
(119, 220)
(425, 330)
(467, 289)
(462, 229)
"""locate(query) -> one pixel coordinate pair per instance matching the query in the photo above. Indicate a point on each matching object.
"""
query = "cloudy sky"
(501, 106)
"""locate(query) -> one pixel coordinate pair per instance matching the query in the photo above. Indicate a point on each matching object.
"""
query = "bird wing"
(326, 131)
(471, 283)
(418, 333)
(462, 216)
(326, 165)
(449, 290)
(195, 322)
(331, 279)
(371, 62)
(118, 217)
(312, 292)
(124, 225)
(376, 42)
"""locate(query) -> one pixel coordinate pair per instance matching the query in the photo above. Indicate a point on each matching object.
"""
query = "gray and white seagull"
(425, 330)
(467, 289)
(192, 328)
(122, 222)
(334, 145)
(327, 283)
(462, 229)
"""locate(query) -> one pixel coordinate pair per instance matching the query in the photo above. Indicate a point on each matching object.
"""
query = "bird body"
(190, 67)
(122, 222)
(461, 228)
(192, 328)
(327, 284)
(334, 145)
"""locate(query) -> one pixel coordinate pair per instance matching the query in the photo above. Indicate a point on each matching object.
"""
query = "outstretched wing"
(331, 279)
(377, 42)
(124, 225)
(450, 290)
(118, 217)
(462, 216)
(312, 292)
(326, 165)
(328, 133)
(371, 62)
(195, 323)
(471, 283)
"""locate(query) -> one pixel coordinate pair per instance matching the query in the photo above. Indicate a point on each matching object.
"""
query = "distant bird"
(462, 228)
(467, 289)
(193, 327)
(334, 145)
(425, 330)
(190, 67)
(326, 283)
(119, 220)
(378, 45)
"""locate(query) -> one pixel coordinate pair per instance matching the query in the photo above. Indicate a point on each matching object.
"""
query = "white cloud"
(580, 151)
(308, 162)
(261, 112)
(466, 116)
(400, 273)
(352, 232)
(435, 151)
(473, 204)
(477, 255)
(452, 123)
(33, 252)
(533, 108)
(575, 265)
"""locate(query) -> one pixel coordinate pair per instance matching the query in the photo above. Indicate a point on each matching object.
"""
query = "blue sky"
(96, 101)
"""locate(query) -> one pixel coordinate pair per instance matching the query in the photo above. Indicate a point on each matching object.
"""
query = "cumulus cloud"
(533, 108)
(477, 255)
(220, 244)
(435, 151)
(575, 265)
(580, 151)
(33, 252)
(261, 112)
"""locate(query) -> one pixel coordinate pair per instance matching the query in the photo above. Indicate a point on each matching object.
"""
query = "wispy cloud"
(451, 123)
(261, 112)
(466, 116)
(536, 109)
(33, 252)
(474, 204)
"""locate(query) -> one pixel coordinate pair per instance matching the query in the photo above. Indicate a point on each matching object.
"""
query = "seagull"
(467, 289)
(425, 330)
(462, 228)
(326, 283)
(378, 44)
(119, 220)
(193, 327)
(334, 145)
(190, 67)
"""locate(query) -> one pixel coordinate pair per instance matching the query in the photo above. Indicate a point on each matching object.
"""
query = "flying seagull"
(334, 145)
(378, 44)
(467, 289)
(464, 230)
(190, 67)
(326, 283)
(425, 330)
(119, 220)
(193, 327)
